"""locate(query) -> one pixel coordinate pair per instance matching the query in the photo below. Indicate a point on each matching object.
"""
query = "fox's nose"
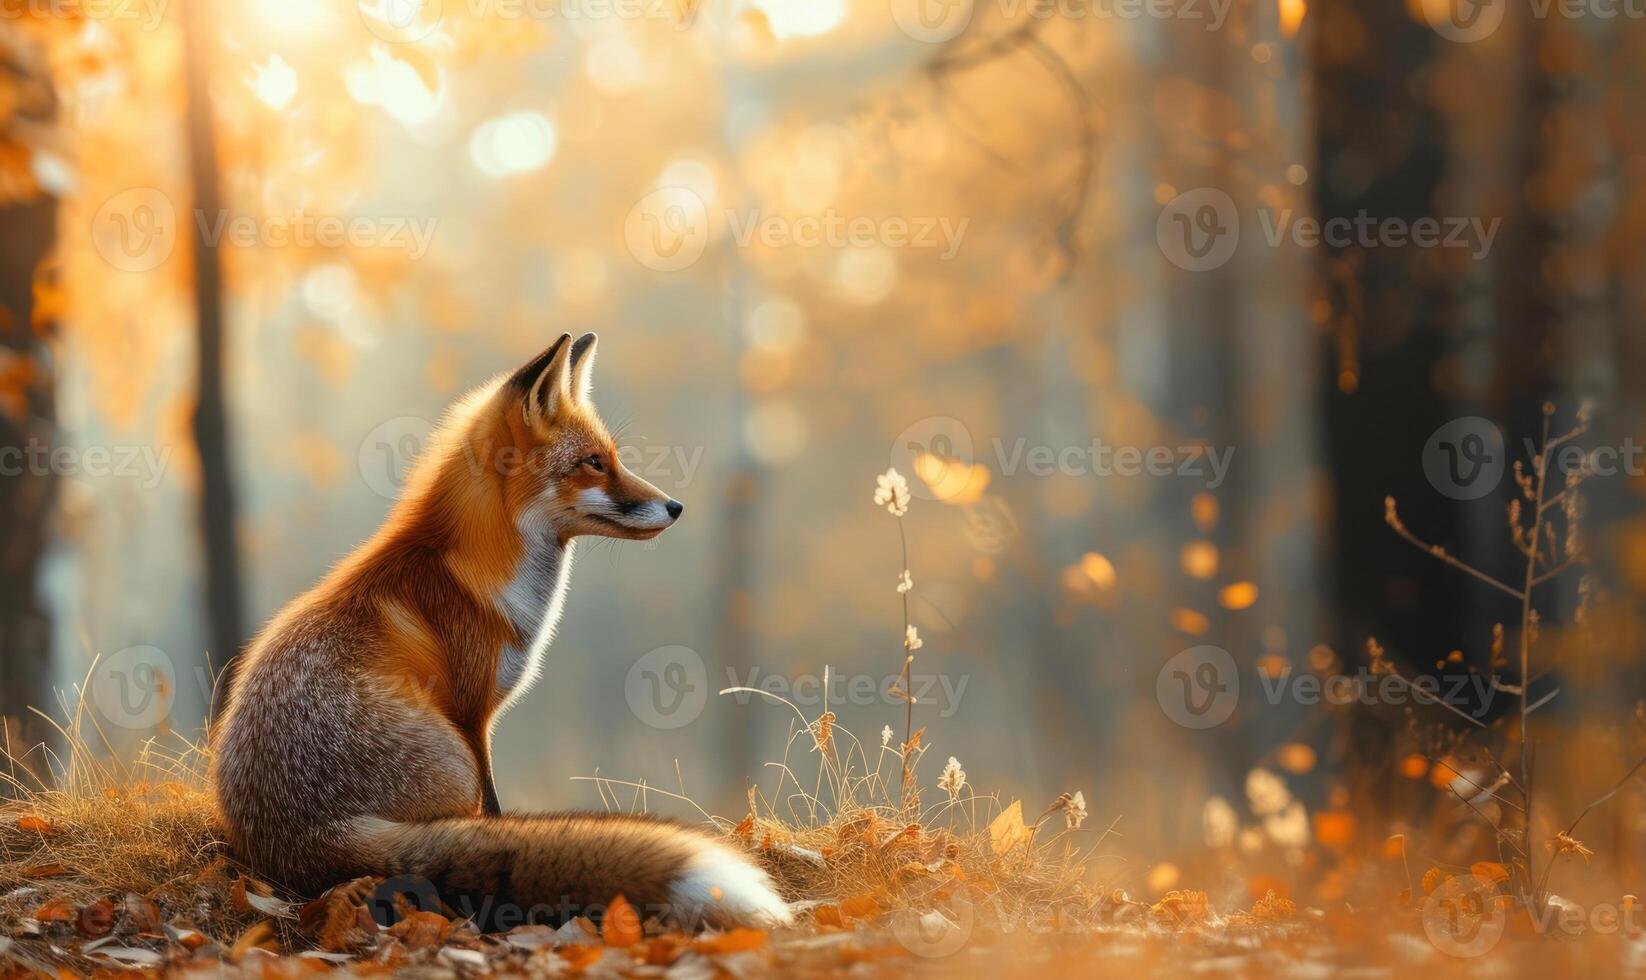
(674, 507)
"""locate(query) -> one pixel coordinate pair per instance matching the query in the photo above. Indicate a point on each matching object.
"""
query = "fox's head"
(558, 462)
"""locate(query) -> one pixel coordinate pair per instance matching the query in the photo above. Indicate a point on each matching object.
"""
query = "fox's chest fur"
(532, 601)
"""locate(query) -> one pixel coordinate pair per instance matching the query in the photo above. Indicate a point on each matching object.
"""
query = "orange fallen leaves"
(1180, 907)
(735, 941)
(421, 930)
(1274, 908)
(35, 825)
(54, 913)
(97, 919)
(860, 907)
(620, 926)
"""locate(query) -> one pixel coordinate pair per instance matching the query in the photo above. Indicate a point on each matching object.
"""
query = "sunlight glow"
(517, 143)
(802, 18)
(274, 84)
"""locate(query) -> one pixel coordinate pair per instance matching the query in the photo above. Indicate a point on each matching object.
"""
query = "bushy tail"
(511, 870)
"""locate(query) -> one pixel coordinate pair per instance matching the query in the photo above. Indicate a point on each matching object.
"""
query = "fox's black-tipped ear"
(583, 366)
(544, 385)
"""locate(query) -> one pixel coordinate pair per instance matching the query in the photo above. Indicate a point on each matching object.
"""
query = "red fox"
(357, 734)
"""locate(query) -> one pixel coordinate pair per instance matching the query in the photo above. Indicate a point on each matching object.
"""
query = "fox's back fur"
(357, 735)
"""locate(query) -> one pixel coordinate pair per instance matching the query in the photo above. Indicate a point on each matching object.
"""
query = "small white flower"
(886, 735)
(892, 492)
(953, 779)
(1074, 813)
(912, 640)
(905, 582)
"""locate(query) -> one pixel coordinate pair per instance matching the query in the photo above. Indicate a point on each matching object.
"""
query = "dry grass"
(845, 833)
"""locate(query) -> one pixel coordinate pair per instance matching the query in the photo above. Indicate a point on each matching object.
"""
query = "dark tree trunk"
(27, 488)
(211, 432)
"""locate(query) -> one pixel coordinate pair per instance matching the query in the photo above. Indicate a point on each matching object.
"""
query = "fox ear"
(544, 385)
(583, 366)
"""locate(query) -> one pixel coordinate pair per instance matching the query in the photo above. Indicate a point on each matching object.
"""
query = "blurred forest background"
(591, 165)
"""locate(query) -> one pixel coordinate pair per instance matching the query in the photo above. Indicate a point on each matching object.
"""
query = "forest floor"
(132, 879)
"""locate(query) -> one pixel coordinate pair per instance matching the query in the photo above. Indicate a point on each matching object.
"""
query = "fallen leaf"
(45, 871)
(828, 915)
(736, 941)
(579, 958)
(620, 926)
(258, 937)
(421, 930)
(335, 920)
(1273, 908)
(145, 915)
(1490, 870)
(666, 949)
(134, 955)
(35, 825)
(54, 913)
(97, 919)
(1007, 830)
(860, 907)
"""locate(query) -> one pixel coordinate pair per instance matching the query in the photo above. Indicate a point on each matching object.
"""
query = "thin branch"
(1440, 553)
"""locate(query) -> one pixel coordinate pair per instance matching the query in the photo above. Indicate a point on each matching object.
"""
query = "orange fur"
(357, 739)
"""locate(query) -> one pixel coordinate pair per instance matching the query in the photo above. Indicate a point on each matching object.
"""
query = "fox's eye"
(595, 463)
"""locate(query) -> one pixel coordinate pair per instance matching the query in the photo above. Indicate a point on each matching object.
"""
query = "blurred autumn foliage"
(488, 170)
